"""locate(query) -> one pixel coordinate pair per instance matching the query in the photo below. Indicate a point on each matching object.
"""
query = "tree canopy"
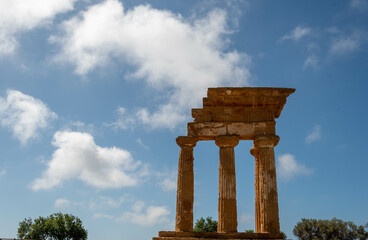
(57, 226)
(334, 229)
(208, 225)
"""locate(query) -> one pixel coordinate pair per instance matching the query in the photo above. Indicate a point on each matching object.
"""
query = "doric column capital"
(254, 151)
(227, 141)
(266, 141)
(186, 141)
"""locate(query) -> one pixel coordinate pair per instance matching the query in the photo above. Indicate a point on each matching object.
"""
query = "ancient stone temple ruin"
(229, 115)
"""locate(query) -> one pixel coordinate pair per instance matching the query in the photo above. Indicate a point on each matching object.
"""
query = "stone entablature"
(242, 104)
(229, 115)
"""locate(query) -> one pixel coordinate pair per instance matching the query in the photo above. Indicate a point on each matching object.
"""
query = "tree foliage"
(57, 226)
(208, 225)
(334, 229)
(252, 231)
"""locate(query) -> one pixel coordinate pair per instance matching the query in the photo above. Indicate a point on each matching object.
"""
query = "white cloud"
(107, 202)
(79, 127)
(78, 156)
(17, 16)
(24, 115)
(328, 44)
(311, 61)
(178, 58)
(359, 5)
(314, 135)
(141, 143)
(168, 184)
(2, 172)
(288, 167)
(102, 215)
(167, 180)
(247, 218)
(297, 34)
(344, 45)
(124, 120)
(62, 203)
(151, 216)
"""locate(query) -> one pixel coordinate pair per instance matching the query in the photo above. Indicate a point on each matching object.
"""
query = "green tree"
(284, 236)
(207, 225)
(252, 231)
(334, 229)
(57, 226)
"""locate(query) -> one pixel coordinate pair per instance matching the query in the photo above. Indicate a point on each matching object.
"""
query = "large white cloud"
(17, 16)
(179, 58)
(288, 167)
(24, 115)
(78, 156)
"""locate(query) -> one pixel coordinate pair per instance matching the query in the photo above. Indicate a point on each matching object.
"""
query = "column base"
(171, 235)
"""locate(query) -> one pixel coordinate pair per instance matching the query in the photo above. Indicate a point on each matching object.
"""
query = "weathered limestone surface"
(185, 188)
(245, 131)
(169, 235)
(229, 115)
(254, 151)
(227, 212)
(242, 104)
(269, 210)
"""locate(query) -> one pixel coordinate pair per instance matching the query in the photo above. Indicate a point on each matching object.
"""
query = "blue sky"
(94, 93)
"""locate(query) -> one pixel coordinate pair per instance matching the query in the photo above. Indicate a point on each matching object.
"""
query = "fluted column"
(255, 152)
(185, 188)
(268, 201)
(227, 213)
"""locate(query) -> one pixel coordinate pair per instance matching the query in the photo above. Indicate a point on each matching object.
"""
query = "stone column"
(255, 152)
(185, 188)
(268, 202)
(227, 213)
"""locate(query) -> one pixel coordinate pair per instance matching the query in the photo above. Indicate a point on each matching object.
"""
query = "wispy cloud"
(141, 143)
(78, 157)
(167, 180)
(311, 61)
(315, 134)
(17, 16)
(124, 120)
(79, 127)
(327, 45)
(102, 215)
(359, 5)
(180, 75)
(24, 115)
(247, 218)
(288, 167)
(63, 204)
(103, 202)
(345, 45)
(298, 33)
(145, 216)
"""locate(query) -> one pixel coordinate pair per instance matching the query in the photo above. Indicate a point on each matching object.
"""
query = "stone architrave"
(229, 115)
(227, 212)
(185, 187)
